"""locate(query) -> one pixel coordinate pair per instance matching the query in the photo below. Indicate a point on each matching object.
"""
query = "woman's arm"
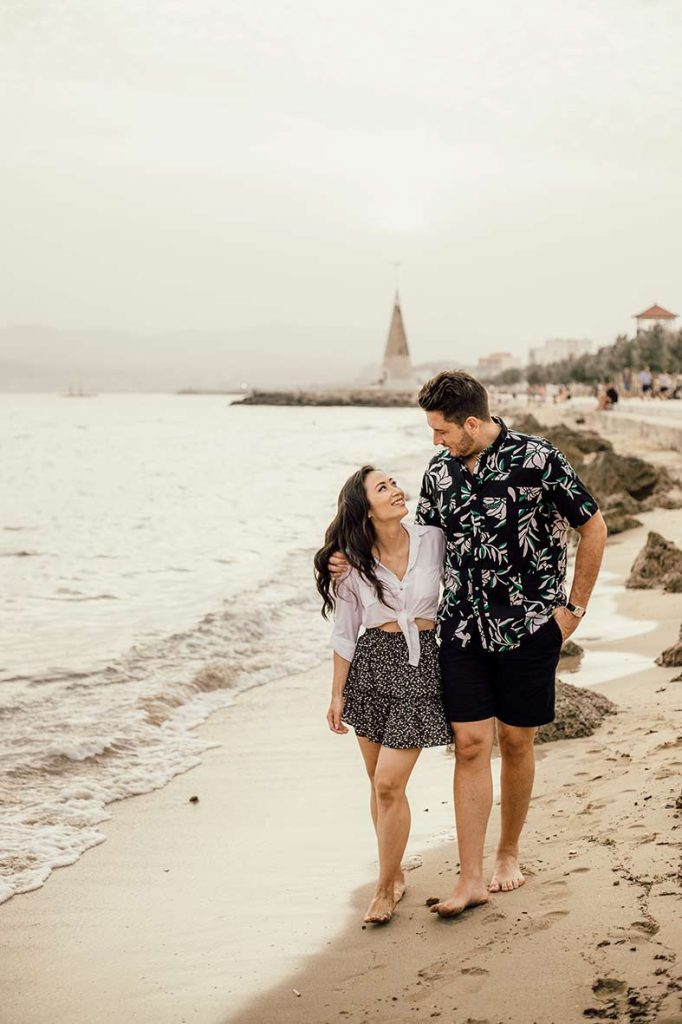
(347, 622)
(341, 669)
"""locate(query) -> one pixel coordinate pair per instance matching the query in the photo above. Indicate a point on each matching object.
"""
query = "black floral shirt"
(506, 529)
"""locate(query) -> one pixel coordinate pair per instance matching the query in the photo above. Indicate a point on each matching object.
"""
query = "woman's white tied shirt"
(413, 597)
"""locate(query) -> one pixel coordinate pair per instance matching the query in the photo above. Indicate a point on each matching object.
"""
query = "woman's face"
(386, 499)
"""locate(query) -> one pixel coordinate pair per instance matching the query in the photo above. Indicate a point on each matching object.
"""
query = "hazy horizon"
(254, 172)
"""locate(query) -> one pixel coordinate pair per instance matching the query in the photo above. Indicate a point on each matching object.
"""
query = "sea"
(155, 561)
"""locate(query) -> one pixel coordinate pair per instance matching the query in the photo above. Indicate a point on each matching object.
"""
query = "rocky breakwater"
(624, 485)
(336, 397)
(578, 712)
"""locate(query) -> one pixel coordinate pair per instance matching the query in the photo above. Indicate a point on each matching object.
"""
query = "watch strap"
(576, 609)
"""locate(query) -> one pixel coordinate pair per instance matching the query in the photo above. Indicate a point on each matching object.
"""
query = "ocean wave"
(128, 729)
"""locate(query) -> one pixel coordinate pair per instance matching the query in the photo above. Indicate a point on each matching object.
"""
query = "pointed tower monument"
(397, 368)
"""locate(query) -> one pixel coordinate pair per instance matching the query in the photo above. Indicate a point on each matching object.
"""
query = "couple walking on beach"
(491, 526)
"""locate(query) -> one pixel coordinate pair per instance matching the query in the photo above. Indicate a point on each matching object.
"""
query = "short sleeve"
(428, 511)
(347, 618)
(567, 492)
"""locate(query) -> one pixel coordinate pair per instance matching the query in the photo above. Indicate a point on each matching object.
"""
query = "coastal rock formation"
(672, 583)
(585, 441)
(618, 510)
(610, 473)
(657, 565)
(367, 397)
(616, 522)
(575, 444)
(622, 503)
(528, 424)
(578, 713)
(671, 656)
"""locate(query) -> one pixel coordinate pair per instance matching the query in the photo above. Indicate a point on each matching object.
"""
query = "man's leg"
(473, 802)
(516, 784)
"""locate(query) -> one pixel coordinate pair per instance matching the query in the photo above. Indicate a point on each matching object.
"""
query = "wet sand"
(217, 911)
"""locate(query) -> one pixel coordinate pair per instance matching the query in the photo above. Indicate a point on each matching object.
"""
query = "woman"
(386, 684)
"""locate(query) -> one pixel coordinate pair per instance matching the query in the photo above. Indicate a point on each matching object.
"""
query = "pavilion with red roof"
(655, 316)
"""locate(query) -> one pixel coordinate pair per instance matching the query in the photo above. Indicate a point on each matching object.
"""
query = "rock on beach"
(578, 713)
(672, 656)
(659, 564)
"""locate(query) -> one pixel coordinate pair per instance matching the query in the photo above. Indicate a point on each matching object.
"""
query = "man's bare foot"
(465, 894)
(399, 887)
(507, 875)
(380, 910)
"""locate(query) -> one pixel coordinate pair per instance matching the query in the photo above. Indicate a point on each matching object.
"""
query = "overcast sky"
(258, 165)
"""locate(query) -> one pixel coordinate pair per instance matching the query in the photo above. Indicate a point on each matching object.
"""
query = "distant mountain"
(41, 358)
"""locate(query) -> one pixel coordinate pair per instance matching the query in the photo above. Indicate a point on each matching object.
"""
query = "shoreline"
(187, 909)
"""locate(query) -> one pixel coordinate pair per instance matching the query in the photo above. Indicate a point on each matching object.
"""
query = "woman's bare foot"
(507, 875)
(399, 887)
(465, 894)
(380, 910)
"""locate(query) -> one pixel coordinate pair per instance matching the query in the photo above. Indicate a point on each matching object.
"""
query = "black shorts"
(516, 686)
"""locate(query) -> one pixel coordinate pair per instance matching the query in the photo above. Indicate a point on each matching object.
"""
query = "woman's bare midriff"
(393, 627)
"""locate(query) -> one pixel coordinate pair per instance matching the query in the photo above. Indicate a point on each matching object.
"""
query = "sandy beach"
(245, 905)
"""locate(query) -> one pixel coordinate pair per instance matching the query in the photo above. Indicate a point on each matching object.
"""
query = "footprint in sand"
(552, 917)
(473, 979)
(646, 927)
(553, 892)
(596, 806)
(606, 988)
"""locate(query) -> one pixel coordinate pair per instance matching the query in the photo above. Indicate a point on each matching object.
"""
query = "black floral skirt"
(391, 702)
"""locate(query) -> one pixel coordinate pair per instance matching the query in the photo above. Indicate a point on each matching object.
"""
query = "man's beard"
(466, 447)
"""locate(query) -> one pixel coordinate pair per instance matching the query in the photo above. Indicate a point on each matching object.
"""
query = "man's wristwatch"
(576, 609)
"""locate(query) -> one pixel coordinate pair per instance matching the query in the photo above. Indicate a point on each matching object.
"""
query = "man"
(505, 501)
(646, 382)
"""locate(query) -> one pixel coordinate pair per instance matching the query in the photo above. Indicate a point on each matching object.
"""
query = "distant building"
(655, 316)
(555, 349)
(397, 371)
(425, 371)
(493, 365)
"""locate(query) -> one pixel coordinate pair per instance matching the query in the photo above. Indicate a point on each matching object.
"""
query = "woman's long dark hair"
(351, 532)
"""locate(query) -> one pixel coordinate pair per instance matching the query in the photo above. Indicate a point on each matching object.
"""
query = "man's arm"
(588, 559)
(587, 562)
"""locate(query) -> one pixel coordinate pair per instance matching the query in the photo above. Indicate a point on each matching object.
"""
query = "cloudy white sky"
(255, 167)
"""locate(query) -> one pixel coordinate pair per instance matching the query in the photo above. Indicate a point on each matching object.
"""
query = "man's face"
(459, 441)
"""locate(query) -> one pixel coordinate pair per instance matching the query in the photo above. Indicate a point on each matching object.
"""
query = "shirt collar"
(415, 531)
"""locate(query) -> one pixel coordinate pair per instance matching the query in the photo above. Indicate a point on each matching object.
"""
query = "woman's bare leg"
(391, 775)
(370, 755)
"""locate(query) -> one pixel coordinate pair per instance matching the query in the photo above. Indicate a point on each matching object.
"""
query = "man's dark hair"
(455, 394)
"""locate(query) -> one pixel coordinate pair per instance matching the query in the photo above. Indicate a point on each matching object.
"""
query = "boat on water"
(78, 392)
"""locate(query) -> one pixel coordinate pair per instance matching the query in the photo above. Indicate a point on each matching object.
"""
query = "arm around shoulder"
(347, 618)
